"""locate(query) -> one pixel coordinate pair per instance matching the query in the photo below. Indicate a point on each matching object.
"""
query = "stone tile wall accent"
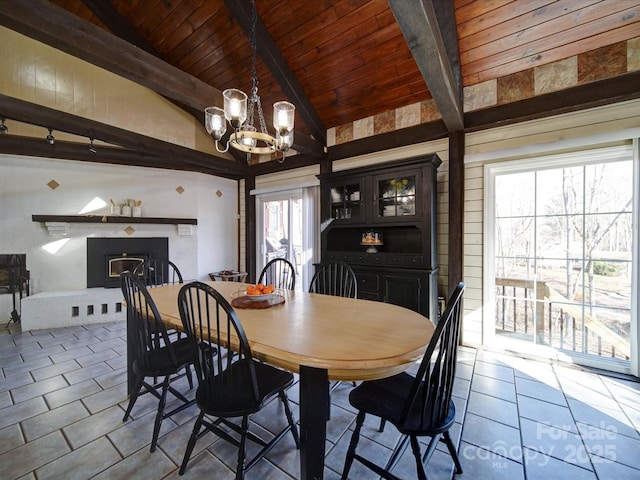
(598, 64)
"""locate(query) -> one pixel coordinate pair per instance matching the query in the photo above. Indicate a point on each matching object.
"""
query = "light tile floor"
(63, 395)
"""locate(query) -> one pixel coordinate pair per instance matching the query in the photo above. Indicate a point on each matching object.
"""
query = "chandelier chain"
(254, 100)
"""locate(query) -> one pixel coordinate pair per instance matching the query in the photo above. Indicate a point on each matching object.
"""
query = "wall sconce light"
(50, 138)
(92, 148)
(3, 127)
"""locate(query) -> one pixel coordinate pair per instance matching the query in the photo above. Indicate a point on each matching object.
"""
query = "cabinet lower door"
(407, 291)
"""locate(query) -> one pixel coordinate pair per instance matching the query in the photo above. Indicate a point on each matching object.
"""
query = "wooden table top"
(353, 339)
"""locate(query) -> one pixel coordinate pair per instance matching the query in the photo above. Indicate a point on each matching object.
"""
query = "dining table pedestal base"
(314, 414)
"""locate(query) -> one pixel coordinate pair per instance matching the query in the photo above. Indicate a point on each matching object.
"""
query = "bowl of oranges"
(260, 291)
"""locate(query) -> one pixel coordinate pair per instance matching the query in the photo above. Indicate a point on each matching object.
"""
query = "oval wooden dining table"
(322, 338)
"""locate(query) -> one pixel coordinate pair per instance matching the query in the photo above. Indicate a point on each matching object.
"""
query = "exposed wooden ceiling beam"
(118, 25)
(270, 54)
(45, 117)
(427, 33)
(115, 22)
(424, 132)
(38, 147)
(593, 94)
(289, 163)
(54, 26)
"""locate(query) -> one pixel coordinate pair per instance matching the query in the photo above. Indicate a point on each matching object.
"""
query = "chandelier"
(246, 137)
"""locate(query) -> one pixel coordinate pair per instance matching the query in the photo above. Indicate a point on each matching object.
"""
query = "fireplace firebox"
(107, 258)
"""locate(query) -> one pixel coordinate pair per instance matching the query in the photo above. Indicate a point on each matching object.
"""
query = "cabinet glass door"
(346, 201)
(397, 196)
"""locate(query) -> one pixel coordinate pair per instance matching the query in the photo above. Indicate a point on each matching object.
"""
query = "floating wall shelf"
(57, 224)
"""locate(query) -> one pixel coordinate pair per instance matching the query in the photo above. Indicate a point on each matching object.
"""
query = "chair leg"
(242, 448)
(383, 422)
(452, 451)
(189, 377)
(290, 419)
(351, 452)
(401, 446)
(415, 447)
(160, 413)
(134, 396)
(192, 443)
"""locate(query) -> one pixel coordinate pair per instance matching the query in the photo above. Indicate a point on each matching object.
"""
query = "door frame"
(591, 154)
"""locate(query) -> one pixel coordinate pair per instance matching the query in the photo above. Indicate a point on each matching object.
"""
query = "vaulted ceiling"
(338, 61)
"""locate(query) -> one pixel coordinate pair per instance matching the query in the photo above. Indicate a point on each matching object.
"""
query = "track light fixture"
(50, 138)
(3, 127)
(92, 148)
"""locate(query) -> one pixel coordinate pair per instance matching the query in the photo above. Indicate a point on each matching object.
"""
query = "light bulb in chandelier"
(214, 122)
(235, 107)
(246, 137)
(283, 117)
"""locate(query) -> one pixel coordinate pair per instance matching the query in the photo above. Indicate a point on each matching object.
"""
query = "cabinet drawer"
(376, 259)
(413, 260)
(393, 259)
(339, 257)
(368, 282)
(360, 258)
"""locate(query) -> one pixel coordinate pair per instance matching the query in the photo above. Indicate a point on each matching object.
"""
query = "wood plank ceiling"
(344, 60)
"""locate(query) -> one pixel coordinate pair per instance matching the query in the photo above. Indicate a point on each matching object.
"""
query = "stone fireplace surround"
(196, 249)
(101, 301)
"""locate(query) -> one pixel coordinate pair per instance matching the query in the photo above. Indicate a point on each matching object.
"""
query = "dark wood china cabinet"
(381, 220)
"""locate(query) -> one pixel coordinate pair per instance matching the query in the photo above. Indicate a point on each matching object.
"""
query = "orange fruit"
(252, 290)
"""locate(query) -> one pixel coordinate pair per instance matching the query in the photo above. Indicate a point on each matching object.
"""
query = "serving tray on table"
(264, 301)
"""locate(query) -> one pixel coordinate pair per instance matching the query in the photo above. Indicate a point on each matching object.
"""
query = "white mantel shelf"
(112, 219)
(57, 224)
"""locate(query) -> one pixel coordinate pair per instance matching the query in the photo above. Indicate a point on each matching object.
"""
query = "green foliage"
(605, 269)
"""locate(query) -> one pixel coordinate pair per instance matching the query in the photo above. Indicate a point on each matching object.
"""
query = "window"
(561, 261)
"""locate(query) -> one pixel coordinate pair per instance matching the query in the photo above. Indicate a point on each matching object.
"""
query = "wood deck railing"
(527, 308)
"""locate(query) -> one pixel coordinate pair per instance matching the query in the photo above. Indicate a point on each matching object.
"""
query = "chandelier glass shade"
(246, 136)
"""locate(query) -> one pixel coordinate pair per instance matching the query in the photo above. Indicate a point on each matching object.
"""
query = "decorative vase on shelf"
(126, 211)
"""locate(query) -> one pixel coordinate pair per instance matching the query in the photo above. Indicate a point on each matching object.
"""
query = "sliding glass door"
(562, 257)
(281, 231)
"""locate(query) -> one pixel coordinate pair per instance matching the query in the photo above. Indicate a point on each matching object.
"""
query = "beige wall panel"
(288, 178)
(586, 123)
(474, 206)
(38, 73)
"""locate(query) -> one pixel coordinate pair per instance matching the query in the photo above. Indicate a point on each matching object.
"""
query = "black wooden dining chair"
(337, 279)
(280, 273)
(419, 406)
(334, 278)
(156, 272)
(154, 354)
(229, 386)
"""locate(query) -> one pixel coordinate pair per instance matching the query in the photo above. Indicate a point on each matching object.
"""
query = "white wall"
(212, 246)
